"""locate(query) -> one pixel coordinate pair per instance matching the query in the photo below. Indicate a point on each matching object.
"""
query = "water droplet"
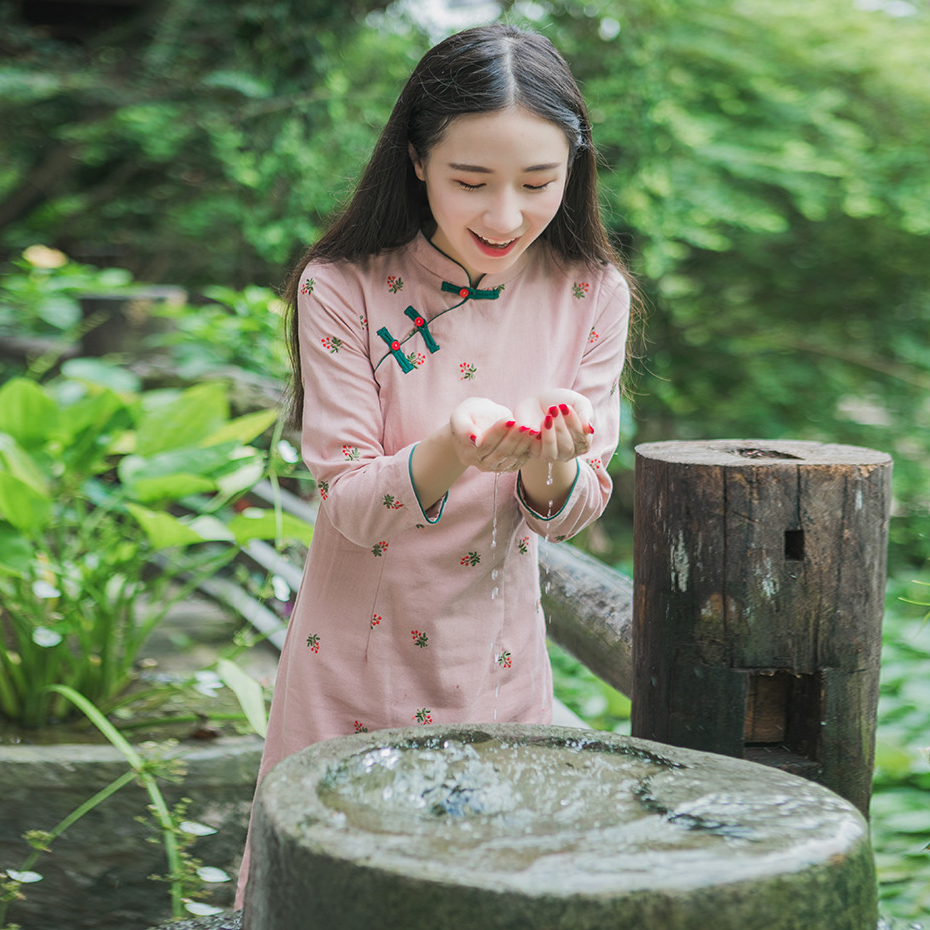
(549, 474)
(494, 593)
(494, 575)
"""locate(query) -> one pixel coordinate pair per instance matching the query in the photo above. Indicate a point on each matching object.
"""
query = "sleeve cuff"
(434, 513)
(551, 516)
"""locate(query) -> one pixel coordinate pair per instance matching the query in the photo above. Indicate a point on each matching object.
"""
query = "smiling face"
(494, 182)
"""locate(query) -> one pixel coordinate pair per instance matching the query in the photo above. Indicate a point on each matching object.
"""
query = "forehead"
(501, 140)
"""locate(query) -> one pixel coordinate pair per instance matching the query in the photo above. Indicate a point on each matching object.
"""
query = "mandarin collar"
(447, 270)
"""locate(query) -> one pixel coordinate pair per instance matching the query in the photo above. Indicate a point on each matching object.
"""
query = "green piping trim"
(568, 497)
(443, 499)
(423, 328)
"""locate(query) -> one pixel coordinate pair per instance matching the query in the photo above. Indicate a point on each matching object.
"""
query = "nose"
(502, 213)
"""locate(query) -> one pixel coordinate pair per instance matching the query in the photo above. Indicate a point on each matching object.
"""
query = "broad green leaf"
(243, 429)
(241, 478)
(16, 552)
(96, 371)
(170, 487)
(15, 461)
(186, 421)
(265, 524)
(163, 529)
(27, 412)
(248, 691)
(22, 505)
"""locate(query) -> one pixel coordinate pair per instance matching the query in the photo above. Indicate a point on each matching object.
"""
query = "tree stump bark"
(759, 589)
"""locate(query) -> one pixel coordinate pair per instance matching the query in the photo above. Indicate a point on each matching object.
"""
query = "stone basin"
(507, 826)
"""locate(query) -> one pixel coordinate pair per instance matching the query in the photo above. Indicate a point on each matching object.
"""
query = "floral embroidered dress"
(408, 615)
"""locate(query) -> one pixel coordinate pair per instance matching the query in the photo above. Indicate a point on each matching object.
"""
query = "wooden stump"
(759, 586)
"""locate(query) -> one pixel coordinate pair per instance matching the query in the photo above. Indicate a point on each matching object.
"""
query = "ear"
(417, 161)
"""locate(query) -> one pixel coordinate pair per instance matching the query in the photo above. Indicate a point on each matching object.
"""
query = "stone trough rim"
(853, 843)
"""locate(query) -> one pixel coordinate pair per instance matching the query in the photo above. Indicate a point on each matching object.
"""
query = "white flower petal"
(43, 636)
(196, 829)
(282, 590)
(288, 452)
(26, 878)
(200, 909)
(211, 874)
(45, 590)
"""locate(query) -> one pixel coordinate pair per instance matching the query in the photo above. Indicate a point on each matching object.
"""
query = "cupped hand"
(487, 436)
(563, 420)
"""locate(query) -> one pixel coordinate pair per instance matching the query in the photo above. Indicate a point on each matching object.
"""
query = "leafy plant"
(95, 543)
(186, 875)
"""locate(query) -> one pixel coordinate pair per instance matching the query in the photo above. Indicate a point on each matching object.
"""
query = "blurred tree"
(195, 141)
(771, 179)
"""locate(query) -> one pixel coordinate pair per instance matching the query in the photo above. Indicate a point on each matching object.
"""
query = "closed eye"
(537, 187)
(468, 187)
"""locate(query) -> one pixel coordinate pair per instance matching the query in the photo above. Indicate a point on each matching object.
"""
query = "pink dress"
(409, 616)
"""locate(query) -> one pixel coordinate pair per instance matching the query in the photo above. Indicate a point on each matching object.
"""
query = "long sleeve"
(597, 378)
(366, 490)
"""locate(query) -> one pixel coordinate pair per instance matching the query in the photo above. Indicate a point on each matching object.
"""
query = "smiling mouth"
(496, 244)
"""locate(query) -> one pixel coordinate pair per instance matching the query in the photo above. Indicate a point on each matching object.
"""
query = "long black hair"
(482, 70)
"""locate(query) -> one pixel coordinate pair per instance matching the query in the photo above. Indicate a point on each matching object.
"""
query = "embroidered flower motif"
(360, 727)
(375, 620)
(505, 660)
(593, 336)
(379, 549)
(580, 290)
(615, 387)
(560, 538)
(473, 558)
(333, 343)
(323, 488)
(468, 371)
(416, 359)
(307, 286)
(313, 641)
(391, 502)
(395, 283)
(594, 463)
(351, 453)
(419, 639)
(524, 545)
(499, 288)
(363, 321)
(424, 715)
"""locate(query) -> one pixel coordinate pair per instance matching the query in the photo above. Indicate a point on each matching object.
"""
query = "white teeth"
(495, 241)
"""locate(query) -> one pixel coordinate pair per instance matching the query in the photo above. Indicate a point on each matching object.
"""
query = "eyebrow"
(478, 169)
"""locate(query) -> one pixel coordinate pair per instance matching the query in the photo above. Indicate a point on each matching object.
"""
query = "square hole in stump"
(783, 712)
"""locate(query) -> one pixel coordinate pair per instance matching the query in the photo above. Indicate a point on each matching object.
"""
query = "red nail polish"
(548, 422)
(510, 423)
(590, 429)
(524, 429)
(564, 409)
(553, 411)
(473, 437)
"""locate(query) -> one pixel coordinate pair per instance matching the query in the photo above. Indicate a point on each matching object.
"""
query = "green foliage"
(88, 481)
(203, 146)
(900, 822)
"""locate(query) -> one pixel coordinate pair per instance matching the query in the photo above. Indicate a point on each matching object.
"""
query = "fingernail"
(564, 409)
(548, 422)
(510, 423)
(473, 437)
(524, 429)
(553, 411)
(590, 429)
